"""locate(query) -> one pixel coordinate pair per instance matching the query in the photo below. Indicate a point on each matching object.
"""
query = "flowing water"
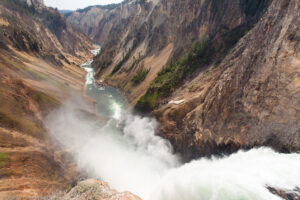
(108, 99)
(125, 152)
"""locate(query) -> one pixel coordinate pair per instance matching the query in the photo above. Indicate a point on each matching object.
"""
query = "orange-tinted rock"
(96, 190)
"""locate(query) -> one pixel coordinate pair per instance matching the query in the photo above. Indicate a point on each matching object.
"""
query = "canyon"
(179, 101)
(219, 76)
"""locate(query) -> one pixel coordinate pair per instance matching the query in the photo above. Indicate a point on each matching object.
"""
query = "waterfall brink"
(125, 152)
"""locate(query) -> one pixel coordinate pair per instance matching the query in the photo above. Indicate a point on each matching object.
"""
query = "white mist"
(133, 158)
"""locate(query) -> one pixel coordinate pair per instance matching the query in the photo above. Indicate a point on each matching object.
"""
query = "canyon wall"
(140, 37)
(41, 31)
(250, 98)
(39, 57)
(219, 75)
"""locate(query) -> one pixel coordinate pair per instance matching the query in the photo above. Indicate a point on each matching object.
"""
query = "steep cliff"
(39, 53)
(250, 98)
(36, 29)
(90, 20)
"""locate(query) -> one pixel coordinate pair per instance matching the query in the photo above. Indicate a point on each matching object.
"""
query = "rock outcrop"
(288, 195)
(37, 3)
(96, 190)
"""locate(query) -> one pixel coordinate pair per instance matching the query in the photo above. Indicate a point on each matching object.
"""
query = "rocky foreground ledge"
(95, 190)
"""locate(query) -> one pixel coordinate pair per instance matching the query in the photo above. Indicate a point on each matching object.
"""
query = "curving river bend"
(125, 152)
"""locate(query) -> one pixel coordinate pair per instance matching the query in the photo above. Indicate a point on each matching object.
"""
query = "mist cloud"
(127, 154)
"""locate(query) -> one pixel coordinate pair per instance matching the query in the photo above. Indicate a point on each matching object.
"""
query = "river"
(109, 101)
(125, 152)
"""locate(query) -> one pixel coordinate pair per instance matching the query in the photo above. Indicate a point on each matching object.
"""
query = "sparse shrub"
(142, 2)
(3, 157)
(141, 74)
(253, 8)
(148, 101)
(173, 75)
(119, 65)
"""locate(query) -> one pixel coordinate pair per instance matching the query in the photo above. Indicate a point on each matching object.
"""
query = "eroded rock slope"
(39, 57)
(250, 99)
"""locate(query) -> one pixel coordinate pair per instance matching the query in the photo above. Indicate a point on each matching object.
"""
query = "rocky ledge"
(287, 194)
(95, 190)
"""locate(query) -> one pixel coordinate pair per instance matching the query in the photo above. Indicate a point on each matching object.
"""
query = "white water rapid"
(125, 152)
